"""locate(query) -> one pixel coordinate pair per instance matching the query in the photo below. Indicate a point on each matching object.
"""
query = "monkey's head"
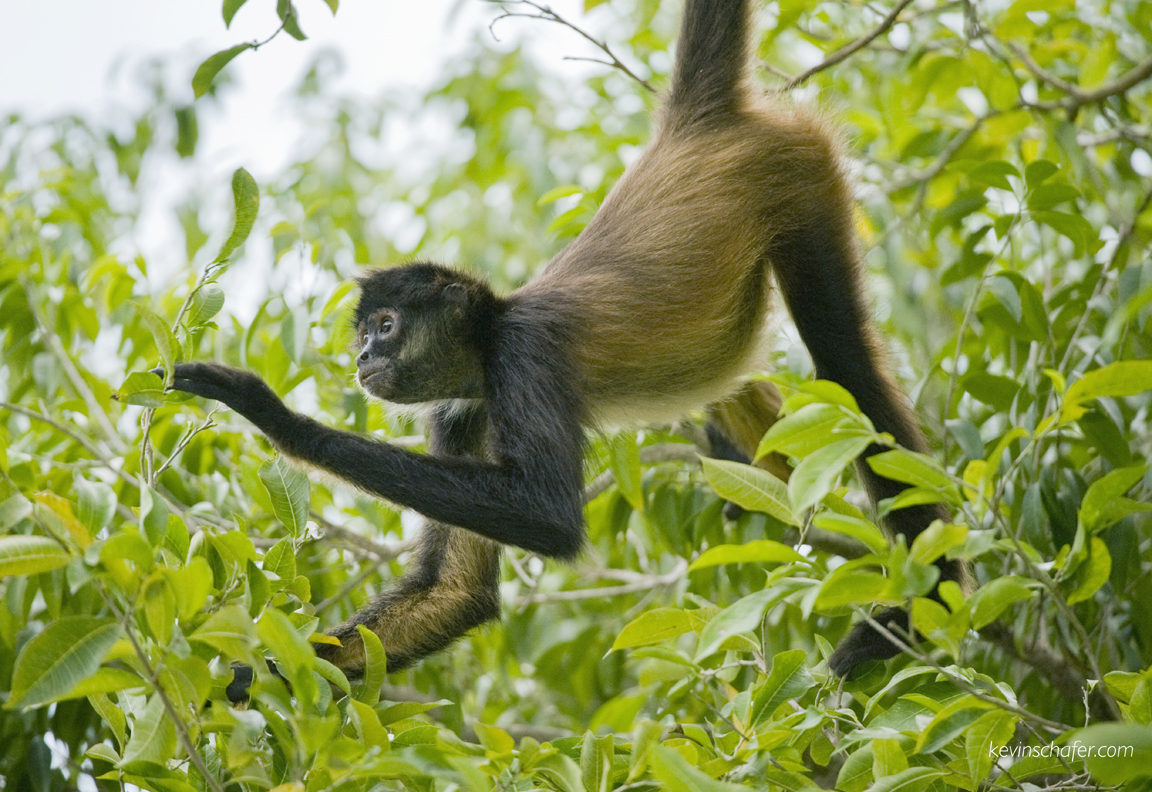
(419, 333)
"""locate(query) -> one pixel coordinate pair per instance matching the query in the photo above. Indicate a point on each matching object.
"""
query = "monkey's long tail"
(711, 60)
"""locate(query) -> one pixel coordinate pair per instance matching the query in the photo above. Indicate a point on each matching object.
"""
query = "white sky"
(83, 56)
(79, 56)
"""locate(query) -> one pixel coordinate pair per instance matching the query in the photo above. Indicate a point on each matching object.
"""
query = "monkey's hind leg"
(453, 587)
(454, 582)
(817, 268)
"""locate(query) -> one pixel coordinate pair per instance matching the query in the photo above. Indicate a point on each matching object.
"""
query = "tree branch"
(548, 15)
(1077, 96)
(847, 51)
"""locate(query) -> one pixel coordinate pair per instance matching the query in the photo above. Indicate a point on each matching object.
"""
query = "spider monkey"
(657, 307)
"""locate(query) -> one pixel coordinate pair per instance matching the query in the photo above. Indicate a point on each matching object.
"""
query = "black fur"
(459, 433)
(825, 297)
(532, 497)
(507, 464)
(711, 60)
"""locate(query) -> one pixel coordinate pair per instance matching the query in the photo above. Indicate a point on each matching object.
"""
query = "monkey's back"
(649, 284)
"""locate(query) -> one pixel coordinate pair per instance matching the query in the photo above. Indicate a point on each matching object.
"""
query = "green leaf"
(856, 527)
(106, 680)
(281, 560)
(1093, 574)
(625, 463)
(994, 597)
(566, 218)
(144, 389)
(556, 193)
(919, 470)
(740, 617)
(166, 343)
(984, 739)
(30, 555)
(1125, 378)
(1074, 226)
(207, 71)
(160, 609)
(1053, 194)
(289, 16)
(1121, 751)
(936, 540)
(290, 493)
(788, 679)
(595, 763)
(1104, 503)
(807, 430)
(13, 510)
(206, 303)
(949, 723)
(846, 586)
(229, 631)
(375, 666)
(153, 735)
(1039, 170)
(654, 626)
(230, 9)
(153, 516)
(992, 389)
(856, 773)
(994, 173)
(914, 779)
(888, 758)
(750, 488)
(761, 551)
(69, 651)
(1004, 290)
(813, 478)
(676, 775)
(246, 196)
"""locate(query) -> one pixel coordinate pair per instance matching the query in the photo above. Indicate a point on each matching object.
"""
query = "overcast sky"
(79, 55)
(84, 56)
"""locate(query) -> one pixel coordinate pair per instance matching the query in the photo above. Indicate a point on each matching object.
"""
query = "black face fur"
(420, 333)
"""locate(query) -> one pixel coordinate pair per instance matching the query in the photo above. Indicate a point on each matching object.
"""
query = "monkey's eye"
(386, 326)
(364, 340)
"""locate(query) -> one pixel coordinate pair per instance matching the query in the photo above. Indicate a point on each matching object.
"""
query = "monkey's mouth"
(374, 379)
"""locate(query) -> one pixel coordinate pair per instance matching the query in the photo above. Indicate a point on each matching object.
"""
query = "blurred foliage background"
(1002, 156)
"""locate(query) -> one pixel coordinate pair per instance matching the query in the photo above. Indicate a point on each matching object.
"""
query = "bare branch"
(96, 410)
(650, 455)
(646, 583)
(548, 15)
(1077, 96)
(847, 51)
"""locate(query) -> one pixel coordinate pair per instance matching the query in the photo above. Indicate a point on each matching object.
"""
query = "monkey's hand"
(243, 391)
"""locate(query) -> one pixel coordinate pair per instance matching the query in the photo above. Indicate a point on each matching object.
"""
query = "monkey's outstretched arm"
(531, 497)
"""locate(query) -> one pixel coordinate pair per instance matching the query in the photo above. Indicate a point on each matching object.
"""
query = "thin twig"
(649, 455)
(1102, 279)
(182, 732)
(185, 440)
(1077, 96)
(653, 581)
(847, 51)
(904, 646)
(548, 15)
(51, 340)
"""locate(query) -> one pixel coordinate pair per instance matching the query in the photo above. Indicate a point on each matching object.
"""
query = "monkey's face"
(416, 335)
